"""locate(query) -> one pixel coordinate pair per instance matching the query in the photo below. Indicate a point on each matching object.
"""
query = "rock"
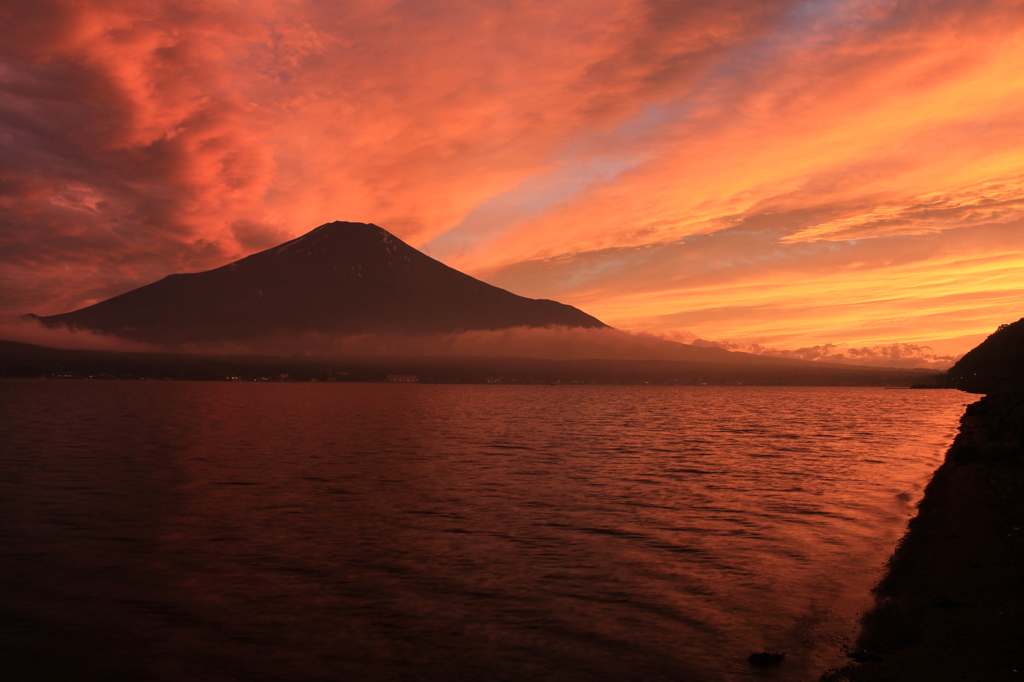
(763, 659)
(944, 602)
(864, 656)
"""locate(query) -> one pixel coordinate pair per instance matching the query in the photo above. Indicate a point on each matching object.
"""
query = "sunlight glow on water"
(172, 531)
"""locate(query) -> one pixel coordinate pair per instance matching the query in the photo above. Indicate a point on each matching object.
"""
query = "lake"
(286, 531)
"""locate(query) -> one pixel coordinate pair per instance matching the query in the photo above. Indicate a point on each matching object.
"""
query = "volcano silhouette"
(341, 278)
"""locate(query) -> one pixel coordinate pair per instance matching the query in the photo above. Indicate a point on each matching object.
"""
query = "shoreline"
(951, 605)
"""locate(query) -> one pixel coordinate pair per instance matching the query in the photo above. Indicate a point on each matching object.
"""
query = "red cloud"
(141, 139)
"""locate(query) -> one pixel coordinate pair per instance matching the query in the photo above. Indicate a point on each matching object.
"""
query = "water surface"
(210, 531)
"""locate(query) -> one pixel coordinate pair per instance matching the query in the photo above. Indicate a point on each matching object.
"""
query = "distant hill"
(20, 360)
(996, 365)
(341, 278)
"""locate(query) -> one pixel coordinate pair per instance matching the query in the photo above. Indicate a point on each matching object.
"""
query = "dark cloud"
(29, 331)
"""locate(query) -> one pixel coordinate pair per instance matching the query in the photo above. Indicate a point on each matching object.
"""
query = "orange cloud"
(780, 172)
(906, 355)
(886, 114)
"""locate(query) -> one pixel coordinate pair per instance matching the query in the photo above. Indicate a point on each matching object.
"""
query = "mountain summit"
(341, 278)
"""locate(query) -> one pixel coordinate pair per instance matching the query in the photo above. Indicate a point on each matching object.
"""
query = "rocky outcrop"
(951, 606)
(995, 366)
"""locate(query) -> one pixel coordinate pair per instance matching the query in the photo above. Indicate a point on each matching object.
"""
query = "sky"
(820, 178)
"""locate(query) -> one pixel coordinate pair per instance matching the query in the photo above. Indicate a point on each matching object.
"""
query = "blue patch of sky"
(805, 23)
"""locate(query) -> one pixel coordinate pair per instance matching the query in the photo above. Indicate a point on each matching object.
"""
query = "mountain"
(342, 278)
(355, 290)
(996, 365)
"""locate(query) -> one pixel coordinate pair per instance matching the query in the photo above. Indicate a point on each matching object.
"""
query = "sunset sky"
(763, 174)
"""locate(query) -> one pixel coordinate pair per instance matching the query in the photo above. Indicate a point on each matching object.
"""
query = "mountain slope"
(995, 365)
(341, 278)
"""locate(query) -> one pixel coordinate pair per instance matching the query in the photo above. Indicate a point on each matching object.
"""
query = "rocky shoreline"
(951, 606)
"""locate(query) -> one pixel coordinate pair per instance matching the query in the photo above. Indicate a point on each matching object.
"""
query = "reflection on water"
(170, 531)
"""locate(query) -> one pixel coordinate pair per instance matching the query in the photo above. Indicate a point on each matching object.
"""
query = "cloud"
(23, 330)
(146, 139)
(743, 282)
(554, 343)
(878, 102)
(641, 159)
(902, 355)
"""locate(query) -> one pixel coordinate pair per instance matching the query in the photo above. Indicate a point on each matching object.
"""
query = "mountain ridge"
(996, 365)
(354, 289)
(340, 278)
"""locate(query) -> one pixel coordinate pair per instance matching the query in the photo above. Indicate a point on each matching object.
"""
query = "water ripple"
(297, 531)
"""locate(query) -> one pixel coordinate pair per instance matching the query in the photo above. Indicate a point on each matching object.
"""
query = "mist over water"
(209, 531)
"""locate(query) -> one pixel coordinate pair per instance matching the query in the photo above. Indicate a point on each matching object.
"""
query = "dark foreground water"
(216, 531)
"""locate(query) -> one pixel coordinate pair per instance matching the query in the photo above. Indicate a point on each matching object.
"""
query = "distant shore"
(951, 606)
(26, 361)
